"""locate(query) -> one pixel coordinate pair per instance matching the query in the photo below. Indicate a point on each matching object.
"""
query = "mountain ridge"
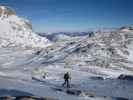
(16, 31)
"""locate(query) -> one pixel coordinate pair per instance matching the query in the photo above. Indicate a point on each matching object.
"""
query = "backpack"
(66, 76)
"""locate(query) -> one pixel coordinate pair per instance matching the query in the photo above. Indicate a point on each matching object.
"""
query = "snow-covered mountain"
(63, 36)
(111, 50)
(94, 62)
(126, 29)
(16, 31)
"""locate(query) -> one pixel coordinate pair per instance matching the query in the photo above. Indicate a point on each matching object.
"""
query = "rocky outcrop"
(126, 29)
(108, 50)
(26, 98)
(16, 31)
(126, 77)
(6, 11)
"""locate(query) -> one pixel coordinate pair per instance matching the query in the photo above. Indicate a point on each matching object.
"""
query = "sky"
(73, 15)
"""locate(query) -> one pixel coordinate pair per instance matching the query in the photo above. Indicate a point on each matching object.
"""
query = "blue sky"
(73, 15)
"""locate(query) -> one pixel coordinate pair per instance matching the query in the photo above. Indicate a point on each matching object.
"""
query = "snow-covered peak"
(126, 29)
(111, 50)
(16, 31)
(6, 11)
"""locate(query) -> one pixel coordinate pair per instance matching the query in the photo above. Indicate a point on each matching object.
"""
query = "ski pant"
(66, 83)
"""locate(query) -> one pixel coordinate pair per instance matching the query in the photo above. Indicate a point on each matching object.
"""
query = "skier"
(44, 76)
(66, 80)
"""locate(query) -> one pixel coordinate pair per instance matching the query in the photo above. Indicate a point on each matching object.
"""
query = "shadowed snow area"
(94, 62)
(4, 92)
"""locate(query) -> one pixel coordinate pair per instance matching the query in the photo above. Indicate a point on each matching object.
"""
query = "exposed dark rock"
(90, 95)
(77, 50)
(125, 77)
(37, 53)
(73, 92)
(6, 11)
(7, 98)
(89, 45)
(97, 78)
(126, 27)
(71, 43)
(120, 98)
(84, 51)
(26, 98)
(91, 34)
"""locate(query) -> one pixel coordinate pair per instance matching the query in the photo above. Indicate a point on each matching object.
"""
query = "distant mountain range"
(65, 35)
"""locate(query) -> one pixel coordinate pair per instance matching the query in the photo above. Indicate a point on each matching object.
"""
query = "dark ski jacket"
(66, 76)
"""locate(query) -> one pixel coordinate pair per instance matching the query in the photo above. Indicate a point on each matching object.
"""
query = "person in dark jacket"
(66, 80)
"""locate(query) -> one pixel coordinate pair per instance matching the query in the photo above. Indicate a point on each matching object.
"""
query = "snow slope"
(23, 63)
(17, 71)
(16, 31)
(98, 54)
